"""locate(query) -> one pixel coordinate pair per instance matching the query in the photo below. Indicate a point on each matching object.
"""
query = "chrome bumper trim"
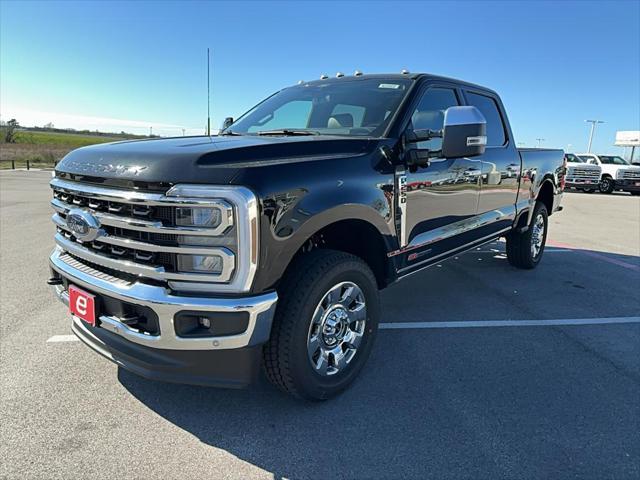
(260, 308)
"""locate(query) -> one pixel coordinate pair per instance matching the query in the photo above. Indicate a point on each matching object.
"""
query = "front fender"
(292, 217)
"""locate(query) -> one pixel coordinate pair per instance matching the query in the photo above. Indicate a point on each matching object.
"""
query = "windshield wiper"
(230, 133)
(288, 132)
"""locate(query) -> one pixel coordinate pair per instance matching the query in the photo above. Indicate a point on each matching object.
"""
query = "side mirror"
(464, 133)
(227, 123)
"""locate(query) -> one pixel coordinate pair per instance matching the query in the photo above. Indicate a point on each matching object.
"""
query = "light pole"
(593, 129)
(540, 140)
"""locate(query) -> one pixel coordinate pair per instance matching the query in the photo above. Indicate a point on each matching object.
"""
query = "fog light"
(198, 217)
(205, 322)
(200, 263)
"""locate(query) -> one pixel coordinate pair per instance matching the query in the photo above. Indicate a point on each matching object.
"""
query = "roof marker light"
(323, 77)
(339, 74)
(357, 73)
(404, 71)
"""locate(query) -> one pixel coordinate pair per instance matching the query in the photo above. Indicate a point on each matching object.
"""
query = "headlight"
(219, 236)
(209, 217)
(200, 263)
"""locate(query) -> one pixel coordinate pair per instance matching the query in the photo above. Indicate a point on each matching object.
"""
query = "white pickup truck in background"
(581, 175)
(617, 174)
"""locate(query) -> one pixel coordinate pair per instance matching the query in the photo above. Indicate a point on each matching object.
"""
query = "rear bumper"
(627, 185)
(225, 360)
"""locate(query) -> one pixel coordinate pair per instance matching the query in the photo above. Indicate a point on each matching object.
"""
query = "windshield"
(362, 107)
(610, 160)
(588, 159)
(571, 158)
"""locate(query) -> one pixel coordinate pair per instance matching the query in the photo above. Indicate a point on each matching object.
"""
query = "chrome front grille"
(158, 212)
(631, 175)
(139, 236)
(579, 173)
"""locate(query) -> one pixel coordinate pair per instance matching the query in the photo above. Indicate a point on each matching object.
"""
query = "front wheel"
(606, 185)
(524, 250)
(325, 325)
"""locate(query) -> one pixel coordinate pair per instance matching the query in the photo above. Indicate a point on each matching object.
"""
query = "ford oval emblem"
(84, 226)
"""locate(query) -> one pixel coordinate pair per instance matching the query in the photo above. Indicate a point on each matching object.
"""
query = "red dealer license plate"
(82, 305)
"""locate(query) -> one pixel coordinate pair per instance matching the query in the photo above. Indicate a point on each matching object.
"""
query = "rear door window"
(489, 108)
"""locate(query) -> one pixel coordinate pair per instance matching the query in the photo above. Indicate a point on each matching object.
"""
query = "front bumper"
(627, 185)
(227, 360)
(584, 184)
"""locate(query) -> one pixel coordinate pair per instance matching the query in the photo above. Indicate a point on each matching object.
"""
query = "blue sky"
(136, 64)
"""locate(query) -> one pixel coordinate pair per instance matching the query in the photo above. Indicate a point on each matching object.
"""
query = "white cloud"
(32, 118)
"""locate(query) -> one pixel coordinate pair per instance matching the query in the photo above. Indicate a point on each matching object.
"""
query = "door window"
(489, 108)
(429, 113)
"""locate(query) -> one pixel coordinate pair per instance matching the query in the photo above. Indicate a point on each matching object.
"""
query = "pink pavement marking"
(614, 261)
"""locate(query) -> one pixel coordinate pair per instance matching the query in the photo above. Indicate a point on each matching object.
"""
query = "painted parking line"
(508, 323)
(62, 338)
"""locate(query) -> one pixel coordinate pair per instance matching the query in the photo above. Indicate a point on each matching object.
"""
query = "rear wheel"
(606, 185)
(524, 249)
(325, 325)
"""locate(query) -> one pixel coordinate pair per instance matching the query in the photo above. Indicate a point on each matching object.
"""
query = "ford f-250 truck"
(197, 259)
(617, 174)
(581, 175)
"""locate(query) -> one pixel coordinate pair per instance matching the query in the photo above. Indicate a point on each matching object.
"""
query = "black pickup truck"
(198, 259)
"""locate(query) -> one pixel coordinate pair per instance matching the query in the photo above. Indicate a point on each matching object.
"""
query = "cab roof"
(396, 77)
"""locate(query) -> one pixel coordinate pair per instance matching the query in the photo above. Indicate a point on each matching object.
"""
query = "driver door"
(442, 199)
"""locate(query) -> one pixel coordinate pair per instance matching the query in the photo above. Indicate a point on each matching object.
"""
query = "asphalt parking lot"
(534, 384)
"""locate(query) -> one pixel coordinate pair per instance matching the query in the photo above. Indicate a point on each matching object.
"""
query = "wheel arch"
(355, 229)
(545, 194)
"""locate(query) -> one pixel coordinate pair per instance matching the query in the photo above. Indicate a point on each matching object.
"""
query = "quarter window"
(489, 108)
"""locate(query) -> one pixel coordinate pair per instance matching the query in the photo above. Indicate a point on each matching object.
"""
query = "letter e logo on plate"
(82, 305)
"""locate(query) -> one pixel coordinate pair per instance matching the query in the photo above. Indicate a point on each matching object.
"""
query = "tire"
(299, 357)
(520, 251)
(606, 185)
(635, 193)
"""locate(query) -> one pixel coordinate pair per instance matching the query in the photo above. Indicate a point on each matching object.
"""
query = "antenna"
(208, 98)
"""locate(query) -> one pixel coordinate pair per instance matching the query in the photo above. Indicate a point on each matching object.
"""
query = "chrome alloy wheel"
(337, 328)
(537, 236)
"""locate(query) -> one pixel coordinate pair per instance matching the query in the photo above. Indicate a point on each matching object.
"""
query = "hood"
(586, 166)
(159, 163)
